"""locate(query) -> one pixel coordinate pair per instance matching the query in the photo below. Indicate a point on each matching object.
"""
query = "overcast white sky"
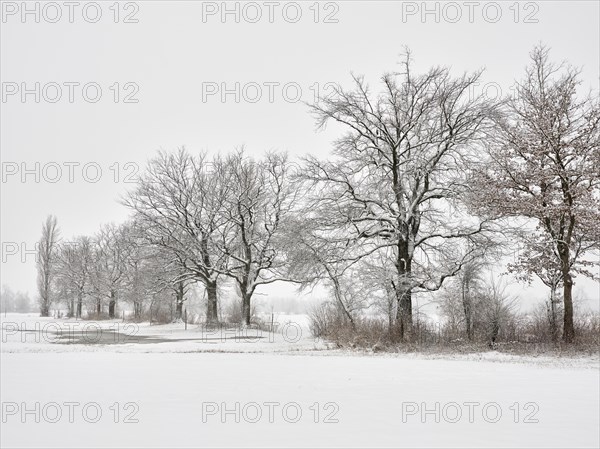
(178, 51)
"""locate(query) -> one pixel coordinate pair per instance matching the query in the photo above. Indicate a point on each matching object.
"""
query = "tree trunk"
(246, 312)
(179, 300)
(340, 303)
(212, 316)
(469, 328)
(44, 308)
(494, 331)
(390, 298)
(79, 304)
(568, 328)
(112, 305)
(71, 307)
(137, 310)
(553, 317)
(98, 307)
(45, 302)
(404, 318)
(466, 297)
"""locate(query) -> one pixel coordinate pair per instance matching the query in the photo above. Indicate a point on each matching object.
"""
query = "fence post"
(185, 317)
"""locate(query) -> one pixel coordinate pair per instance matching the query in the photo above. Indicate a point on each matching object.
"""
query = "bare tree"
(179, 202)
(258, 205)
(23, 302)
(11, 301)
(46, 264)
(142, 266)
(7, 299)
(470, 282)
(545, 165)
(400, 174)
(498, 309)
(382, 279)
(110, 253)
(64, 292)
(536, 258)
(316, 256)
(75, 263)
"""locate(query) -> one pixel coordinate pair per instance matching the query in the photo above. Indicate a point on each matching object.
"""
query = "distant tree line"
(15, 302)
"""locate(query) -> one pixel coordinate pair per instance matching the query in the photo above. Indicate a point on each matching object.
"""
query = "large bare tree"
(258, 207)
(179, 202)
(544, 164)
(399, 174)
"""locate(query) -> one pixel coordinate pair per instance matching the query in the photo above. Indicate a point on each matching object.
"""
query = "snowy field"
(169, 387)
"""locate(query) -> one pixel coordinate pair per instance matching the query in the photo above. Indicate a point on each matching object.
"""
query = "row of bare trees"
(11, 301)
(220, 218)
(426, 182)
(430, 175)
(96, 272)
(194, 219)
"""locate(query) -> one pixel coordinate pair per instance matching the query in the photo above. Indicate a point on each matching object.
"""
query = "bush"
(501, 328)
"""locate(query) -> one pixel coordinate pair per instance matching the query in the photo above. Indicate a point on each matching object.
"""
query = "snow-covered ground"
(29, 333)
(168, 387)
